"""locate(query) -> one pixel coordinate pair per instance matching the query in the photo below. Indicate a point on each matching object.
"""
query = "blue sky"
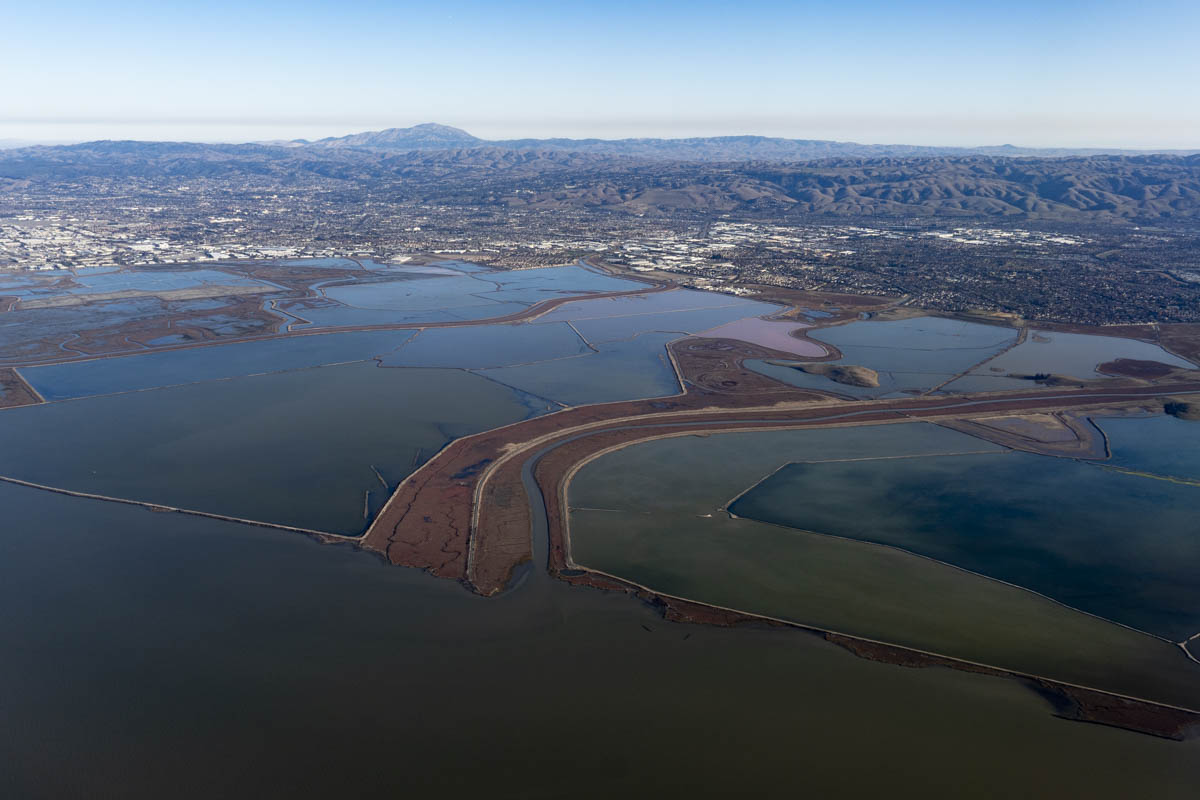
(1032, 73)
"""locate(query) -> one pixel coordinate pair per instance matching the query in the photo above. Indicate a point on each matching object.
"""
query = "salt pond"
(910, 355)
(211, 362)
(1054, 525)
(768, 333)
(623, 370)
(654, 513)
(299, 448)
(1052, 353)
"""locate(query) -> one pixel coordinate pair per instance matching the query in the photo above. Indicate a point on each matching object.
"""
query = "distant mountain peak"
(426, 136)
(435, 127)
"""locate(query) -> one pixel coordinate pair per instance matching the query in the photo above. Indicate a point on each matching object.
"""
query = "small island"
(846, 374)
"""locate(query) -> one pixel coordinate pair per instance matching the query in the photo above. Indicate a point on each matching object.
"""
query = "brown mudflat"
(1136, 368)
(14, 391)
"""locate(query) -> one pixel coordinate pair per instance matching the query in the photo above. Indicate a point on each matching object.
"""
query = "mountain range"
(440, 165)
(432, 136)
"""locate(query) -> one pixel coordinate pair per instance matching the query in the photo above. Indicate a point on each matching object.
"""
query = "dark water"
(1123, 547)
(160, 655)
(1160, 445)
(308, 431)
(295, 448)
(151, 656)
(654, 513)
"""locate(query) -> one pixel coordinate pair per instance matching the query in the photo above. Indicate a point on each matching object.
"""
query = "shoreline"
(1079, 702)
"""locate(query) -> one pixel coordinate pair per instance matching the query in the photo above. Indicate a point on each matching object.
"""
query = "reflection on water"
(151, 656)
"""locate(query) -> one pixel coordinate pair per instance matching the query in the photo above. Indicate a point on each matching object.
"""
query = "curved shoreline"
(479, 535)
(570, 563)
(1088, 703)
(438, 512)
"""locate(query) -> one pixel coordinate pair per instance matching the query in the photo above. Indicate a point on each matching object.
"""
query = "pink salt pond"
(773, 334)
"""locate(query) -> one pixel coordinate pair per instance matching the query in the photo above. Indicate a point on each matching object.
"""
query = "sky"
(1049, 73)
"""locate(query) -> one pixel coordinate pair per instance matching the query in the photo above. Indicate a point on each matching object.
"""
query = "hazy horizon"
(1072, 74)
(229, 133)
